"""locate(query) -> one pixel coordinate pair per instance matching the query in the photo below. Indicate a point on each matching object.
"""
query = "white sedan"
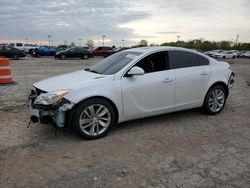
(226, 55)
(132, 84)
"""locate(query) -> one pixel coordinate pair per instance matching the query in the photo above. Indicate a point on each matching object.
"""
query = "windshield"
(114, 63)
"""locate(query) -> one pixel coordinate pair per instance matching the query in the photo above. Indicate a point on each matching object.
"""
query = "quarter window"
(180, 59)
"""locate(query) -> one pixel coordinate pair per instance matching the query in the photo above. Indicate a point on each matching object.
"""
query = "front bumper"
(48, 113)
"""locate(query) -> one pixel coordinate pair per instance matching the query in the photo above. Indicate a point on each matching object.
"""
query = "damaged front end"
(49, 106)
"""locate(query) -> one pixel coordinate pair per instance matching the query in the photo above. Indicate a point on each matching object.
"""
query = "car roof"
(146, 50)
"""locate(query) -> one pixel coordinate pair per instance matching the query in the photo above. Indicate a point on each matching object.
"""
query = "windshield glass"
(114, 63)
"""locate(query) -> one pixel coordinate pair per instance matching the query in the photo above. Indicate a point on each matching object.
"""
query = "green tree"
(90, 43)
(143, 43)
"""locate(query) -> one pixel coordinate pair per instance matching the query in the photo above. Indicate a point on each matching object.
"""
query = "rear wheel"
(233, 57)
(85, 57)
(215, 100)
(94, 118)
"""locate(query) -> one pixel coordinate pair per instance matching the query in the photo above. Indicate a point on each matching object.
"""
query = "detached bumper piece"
(54, 113)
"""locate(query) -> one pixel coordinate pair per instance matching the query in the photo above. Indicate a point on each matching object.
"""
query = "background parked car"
(213, 52)
(27, 48)
(120, 49)
(226, 55)
(246, 54)
(74, 52)
(103, 51)
(11, 52)
(45, 51)
(62, 47)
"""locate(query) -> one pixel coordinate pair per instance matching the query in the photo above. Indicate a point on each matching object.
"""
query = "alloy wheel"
(216, 100)
(95, 119)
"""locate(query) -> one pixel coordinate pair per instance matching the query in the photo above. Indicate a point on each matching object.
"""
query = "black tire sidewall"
(85, 57)
(15, 57)
(206, 106)
(82, 106)
(63, 56)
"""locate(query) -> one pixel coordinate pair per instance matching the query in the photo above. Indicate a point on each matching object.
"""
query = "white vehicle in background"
(131, 84)
(225, 55)
(213, 52)
(27, 48)
(246, 54)
(237, 52)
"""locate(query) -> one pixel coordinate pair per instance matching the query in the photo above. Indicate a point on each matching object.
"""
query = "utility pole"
(26, 41)
(79, 42)
(103, 37)
(237, 38)
(49, 39)
(178, 40)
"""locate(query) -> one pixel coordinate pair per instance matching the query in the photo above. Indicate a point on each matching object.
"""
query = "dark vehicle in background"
(11, 52)
(121, 49)
(103, 51)
(62, 47)
(74, 52)
(44, 51)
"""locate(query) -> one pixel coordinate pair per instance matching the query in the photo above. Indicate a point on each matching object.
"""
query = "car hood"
(72, 80)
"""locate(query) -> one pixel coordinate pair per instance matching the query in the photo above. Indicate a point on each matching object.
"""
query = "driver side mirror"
(135, 71)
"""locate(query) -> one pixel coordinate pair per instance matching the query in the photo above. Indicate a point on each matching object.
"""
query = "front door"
(152, 92)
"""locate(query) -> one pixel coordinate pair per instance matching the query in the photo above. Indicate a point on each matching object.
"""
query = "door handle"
(203, 73)
(166, 80)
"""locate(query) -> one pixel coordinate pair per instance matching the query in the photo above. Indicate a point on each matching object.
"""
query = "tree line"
(200, 44)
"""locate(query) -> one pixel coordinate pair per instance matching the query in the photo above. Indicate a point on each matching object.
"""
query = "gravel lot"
(184, 149)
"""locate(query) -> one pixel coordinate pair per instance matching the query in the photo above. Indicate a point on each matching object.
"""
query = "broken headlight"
(51, 97)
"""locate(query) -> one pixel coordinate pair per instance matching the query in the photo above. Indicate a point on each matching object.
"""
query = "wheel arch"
(220, 83)
(73, 110)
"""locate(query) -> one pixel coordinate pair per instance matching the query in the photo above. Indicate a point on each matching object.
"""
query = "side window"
(180, 59)
(19, 44)
(203, 60)
(154, 62)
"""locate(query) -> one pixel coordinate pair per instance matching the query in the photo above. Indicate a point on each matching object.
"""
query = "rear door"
(192, 72)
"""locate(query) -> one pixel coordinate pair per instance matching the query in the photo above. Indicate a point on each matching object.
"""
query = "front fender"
(111, 91)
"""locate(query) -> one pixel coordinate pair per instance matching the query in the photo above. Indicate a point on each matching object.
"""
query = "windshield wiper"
(89, 70)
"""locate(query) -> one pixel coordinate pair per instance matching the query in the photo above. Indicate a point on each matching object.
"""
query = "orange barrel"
(5, 71)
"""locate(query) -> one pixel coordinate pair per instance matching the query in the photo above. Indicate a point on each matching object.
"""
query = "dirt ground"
(184, 149)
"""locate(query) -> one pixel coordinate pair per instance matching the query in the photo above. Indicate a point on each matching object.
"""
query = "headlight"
(51, 97)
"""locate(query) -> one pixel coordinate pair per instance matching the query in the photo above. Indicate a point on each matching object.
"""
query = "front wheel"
(63, 56)
(215, 100)
(15, 57)
(94, 118)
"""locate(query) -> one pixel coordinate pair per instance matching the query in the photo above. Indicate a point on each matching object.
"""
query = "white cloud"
(156, 21)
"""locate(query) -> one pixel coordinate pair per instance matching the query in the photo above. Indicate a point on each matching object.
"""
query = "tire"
(63, 56)
(94, 126)
(15, 56)
(211, 106)
(223, 57)
(85, 57)
(233, 57)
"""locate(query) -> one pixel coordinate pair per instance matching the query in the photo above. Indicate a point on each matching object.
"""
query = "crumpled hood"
(72, 80)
